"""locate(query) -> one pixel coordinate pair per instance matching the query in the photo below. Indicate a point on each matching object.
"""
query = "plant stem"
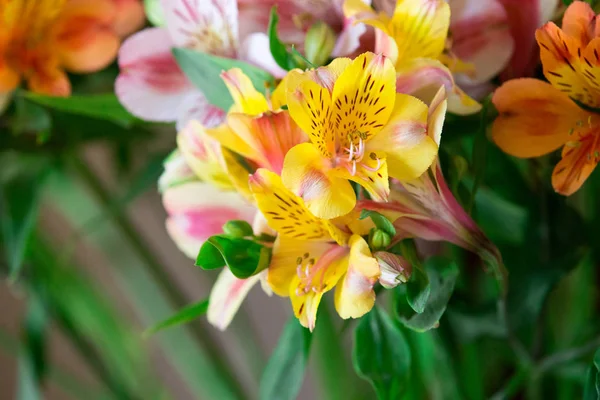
(566, 356)
(332, 363)
(514, 384)
(163, 279)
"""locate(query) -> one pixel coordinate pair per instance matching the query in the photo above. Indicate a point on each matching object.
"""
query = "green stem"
(563, 357)
(513, 386)
(163, 279)
(332, 363)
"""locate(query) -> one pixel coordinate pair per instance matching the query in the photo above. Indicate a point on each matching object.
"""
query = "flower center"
(307, 271)
(354, 155)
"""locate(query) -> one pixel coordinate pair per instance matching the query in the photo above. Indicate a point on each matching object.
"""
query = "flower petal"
(348, 40)
(578, 161)
(255, 50)
(355, 297)
(195, 106)
(85, 41)
(9, 78)
(50, 81)
(198, 210)
(309, 105)
(151, 85)
(226, 297)
(481, 36)
(420, 28)
(363, 98)
(422, 78)
(286, 212)
(129, 17)
(534, 118)
(176, 172)
(306, 294)
(563, 66)
(270, 136)
(204, 155)
(246, 98)
(577, 21)
(210, 26)
(409, 150)
(307, 174)
(284, 260)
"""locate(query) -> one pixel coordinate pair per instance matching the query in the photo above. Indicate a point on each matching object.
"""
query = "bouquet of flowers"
(393, 158)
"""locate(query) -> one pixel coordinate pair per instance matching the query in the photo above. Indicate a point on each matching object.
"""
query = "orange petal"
(535, 118)
(577, 21)
(85, 40)
(129, 17)
(578, 161)
(9, 78)
(563, 66)
(51, 82)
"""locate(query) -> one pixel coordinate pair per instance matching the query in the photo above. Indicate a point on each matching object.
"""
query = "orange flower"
(538, 117)
(41, 39)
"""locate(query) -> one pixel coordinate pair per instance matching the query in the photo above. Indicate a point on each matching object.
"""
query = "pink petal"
(227, 296)
(349, 39)
(481, 35)
(150, 85)
(198, 210)
(255, 50)
(525, 16)
(196, 107)
(205, 25)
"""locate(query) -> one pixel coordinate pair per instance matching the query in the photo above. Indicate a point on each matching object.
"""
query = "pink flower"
(152, 86)
(297, 16)
(198, 210)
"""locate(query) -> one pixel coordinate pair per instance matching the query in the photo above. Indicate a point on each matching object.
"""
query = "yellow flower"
(415, 39)
(312, 255)
(360, 130)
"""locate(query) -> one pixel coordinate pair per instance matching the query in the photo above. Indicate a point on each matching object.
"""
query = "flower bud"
(237, 229)
(320, 40)
(379, 239)
(394, 269)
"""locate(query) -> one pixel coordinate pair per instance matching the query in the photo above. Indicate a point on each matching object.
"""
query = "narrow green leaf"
(28, 388)
(183, 316)
(480, 147)
(597, 366)
(442, 275)
(380, 221)
(35, 335)
(381, 354)
(283, 376)
(282, 56)
(19, 203)
(243, 257)
(204, 71)
(101, 106)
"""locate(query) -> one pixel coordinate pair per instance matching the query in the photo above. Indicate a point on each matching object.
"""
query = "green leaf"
(243, 257)
(381, 354)
(442, 275)
(282, 56)
(380, 221)
(35, 335)
(204, 71)
(418, 288)
(502, 221)
(19, 203)
(183, 316)
(283, 375)
(101, 106)
(30, 117)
